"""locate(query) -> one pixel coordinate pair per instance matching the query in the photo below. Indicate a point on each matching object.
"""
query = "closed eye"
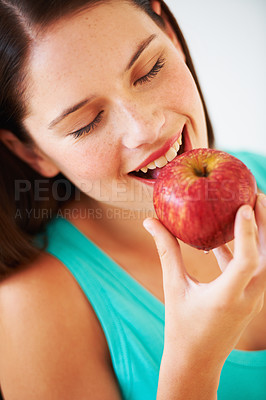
(89, 128)
(153, 72)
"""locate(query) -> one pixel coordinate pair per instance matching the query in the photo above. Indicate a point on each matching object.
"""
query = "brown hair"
(18, 20)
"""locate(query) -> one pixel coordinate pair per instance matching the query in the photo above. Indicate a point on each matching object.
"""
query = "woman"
(91, 90)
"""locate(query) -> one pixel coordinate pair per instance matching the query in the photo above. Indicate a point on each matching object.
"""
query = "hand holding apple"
(197, 195)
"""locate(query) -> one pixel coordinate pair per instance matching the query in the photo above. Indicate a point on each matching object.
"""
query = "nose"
(139, 124)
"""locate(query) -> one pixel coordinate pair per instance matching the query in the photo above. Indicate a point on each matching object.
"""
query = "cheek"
(94, 170)
(83, 160)
(180, 90)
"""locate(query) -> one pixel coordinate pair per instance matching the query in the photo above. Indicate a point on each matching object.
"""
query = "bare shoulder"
(51, 342)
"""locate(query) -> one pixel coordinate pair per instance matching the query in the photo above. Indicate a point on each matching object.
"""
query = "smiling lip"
(161, 151)
(186, 147)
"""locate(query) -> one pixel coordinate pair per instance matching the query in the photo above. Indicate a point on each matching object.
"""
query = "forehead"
(83, 51)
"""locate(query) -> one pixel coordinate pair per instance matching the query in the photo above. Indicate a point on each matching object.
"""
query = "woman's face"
(96, 113)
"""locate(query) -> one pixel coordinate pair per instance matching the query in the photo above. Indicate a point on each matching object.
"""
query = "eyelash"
(153, 72)
(146, 78)
(88, 128)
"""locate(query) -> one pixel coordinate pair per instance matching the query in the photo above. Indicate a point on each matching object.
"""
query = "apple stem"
(203, 172)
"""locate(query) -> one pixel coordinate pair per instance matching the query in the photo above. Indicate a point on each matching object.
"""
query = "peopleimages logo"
(62, 190)
(129, 191)
(208, 191)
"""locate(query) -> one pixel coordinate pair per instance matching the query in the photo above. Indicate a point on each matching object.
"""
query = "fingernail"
(263, 200)
(147, 226)
(247, 212)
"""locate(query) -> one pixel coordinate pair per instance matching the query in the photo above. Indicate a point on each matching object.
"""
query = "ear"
(157, 8)
(29, 154)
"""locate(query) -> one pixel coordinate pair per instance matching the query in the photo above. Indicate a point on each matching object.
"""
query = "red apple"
(197, 195)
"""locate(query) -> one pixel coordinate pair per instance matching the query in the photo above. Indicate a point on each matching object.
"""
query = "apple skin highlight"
(197, 195)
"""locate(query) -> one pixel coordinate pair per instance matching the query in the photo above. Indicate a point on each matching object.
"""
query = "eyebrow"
(69, 110)
(141, 47)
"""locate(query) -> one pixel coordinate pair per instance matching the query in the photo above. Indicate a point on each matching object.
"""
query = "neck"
(123, 225)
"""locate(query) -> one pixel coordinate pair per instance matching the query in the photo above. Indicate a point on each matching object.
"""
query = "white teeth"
(161, 162)
(176, 146)
(144, 169)
(171, 154)
(151, 165)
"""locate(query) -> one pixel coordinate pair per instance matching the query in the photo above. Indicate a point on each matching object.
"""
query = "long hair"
(19, 21)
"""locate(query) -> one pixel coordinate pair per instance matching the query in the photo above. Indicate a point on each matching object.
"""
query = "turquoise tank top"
(133, 319)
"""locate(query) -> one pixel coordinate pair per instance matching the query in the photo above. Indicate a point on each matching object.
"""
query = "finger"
(257, 285)
(246, 256)
(169, 252)
(260, 214)
(223, 256)
(258, 282)
(246, 248)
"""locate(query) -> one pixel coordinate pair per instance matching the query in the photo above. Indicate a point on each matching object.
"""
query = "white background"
(227, 41)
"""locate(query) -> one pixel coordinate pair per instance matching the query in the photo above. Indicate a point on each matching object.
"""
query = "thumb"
(174, 272)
